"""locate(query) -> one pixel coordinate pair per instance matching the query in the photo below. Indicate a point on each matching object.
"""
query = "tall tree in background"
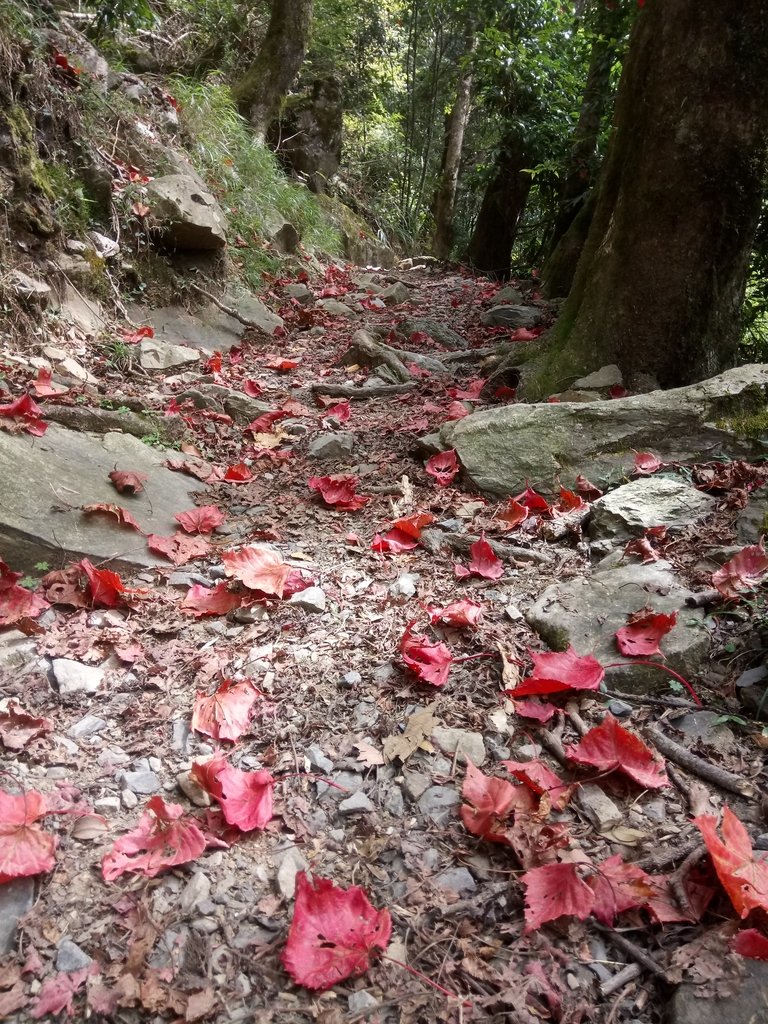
(660, 284)
(445, 199)
(260, 91)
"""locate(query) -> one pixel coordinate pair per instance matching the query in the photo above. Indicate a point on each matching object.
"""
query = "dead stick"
(661, 858)
(679, 875)
(680, 784)
(463, 542)
(638, 955)
(624, 976)
(229, 310)
(360, 394)
(704, 598)
(697, 766)
(578, 723)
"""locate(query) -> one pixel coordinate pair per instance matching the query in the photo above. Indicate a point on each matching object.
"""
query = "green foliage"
(112, 15)
(246, 177)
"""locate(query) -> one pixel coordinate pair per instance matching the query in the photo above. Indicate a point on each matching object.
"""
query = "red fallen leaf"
(741, 573)
(618, 886)
(541, 780)
(127, 482)
(213, 364)
(57, 992)
(458, 613)
(253, 388)
(293, 407)
(568, 501)
(245, 798)
(123, 517)
(512, 514)
(430, 662)
(163, 838)
(523, 334)
(750, 943)
(25, 411)
(493, 802)
(282, 365)
(25, 849)
(586, 489)
(203, 519)
(443, 467)
(259, 567)
(219, 600)
(18, 728)
(17, 602)
(225, 714)
(140, 209)
(663, 906)
(642, 547)
(339, 491)
(505, 393)
(394, 541)
(239, 474)
(106, 587)
(134, 337)
(484, 563)
(179, 548)
(642, 634)
(333, 935)
(610, 747)
(456, 411)
(559, 673)
(743, 876)
(263, 423)
(534, 709)
(44, 386)
(341, 411)
(533, 502)
(616, 390)
(297, 582)
(471, 392)
(553, 400)
(646, 463)
(553, 891)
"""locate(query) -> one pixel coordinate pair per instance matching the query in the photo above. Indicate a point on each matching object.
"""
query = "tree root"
(229, 310)
(436, 539)
(360, 394)
(703, 769)
(365, 350)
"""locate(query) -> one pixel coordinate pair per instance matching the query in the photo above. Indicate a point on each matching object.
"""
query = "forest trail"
(369, 757)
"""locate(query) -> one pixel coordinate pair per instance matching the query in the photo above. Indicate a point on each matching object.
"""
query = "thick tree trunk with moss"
(442, 237)
(260, 91)
(490, 247)
(660, 283)
(560, 267)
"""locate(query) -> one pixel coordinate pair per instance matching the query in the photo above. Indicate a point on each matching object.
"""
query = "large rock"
(512, 316)
(187, 217)
(651, 501)
(46, 479)
(158, 354)
(501, 449)
(440, 332)
(586, 612)
(747, 1004)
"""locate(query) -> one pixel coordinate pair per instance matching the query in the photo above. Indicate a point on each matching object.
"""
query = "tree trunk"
(660, 283)
(582, 165)
(560, 267)
(445, 200)
(262, 88)
(490, 247)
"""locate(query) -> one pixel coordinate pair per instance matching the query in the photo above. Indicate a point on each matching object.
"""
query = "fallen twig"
(704, 598)
(360, 394)
(679, 875)
(697, 766)
(229, 310)
(639, 955)
(624, 976)
(462, 542)
(572, 522)
(662, 856)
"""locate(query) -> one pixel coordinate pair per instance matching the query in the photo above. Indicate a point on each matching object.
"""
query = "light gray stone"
(72, 368)
(107, 805)
(318, 759)
(69, 957)
(360, 1002)
(405, 585)
(747, 1005)
(300, 292)
(601, 811)
(192, 789)
(707, 728)
(16, 900)
(605, 377)
(508, 295)
(73, 677)
(128, 799)
(155, 354)
(502, 448)
(512, 316)
(441, 333)
(415, 784)
(752, 522)
(187, 217)
(197, 889)
(394, 802)
(31, 290)
(88, 726)
(291, 863)
(586, 613)
(332, 446)
(143, 783)
(649, 501)
(336, 308)
(396, 294)
(358, 803)
(456, 880)
(437, 803)
(311, 600)
(464, 744)
(78, 466)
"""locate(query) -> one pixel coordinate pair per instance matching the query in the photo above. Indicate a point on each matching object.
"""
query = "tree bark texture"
(495, 231)
(262, 88)
(660, 283)
(445, 200)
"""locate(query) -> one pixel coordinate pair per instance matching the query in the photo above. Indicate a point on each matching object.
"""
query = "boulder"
(47, 478)
(440, 332)
(605, 377)
(507, 295)
(586, 612)
(745, 1003)
(396, 294)
(502, 448)
(512, 316)
(187, 217)
(752, 522)
(156, 354)
(30, 290)
(650, 501)
(336, 308)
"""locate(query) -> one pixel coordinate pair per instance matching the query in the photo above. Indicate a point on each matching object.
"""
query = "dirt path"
(368, 759)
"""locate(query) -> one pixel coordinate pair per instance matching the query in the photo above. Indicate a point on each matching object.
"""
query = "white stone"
(74, 677)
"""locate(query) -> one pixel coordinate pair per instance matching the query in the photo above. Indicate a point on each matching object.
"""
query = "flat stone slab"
(502, 449)
(586, 612)
(649, 501)
(747, 1005)
(46, 479)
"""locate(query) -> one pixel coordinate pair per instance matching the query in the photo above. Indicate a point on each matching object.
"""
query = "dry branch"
(697, 766)
(360, 394)
(464, 541)
(229, 310)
